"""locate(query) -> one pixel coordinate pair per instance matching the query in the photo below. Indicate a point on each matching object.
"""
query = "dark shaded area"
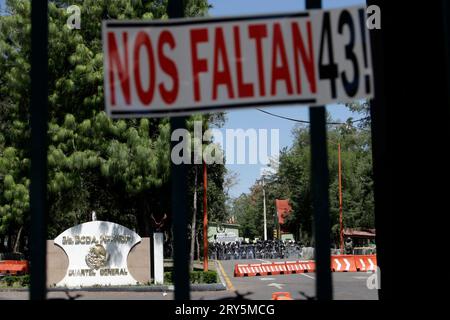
(410, 129)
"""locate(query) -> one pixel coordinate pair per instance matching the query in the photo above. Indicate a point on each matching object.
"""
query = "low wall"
(139, 262)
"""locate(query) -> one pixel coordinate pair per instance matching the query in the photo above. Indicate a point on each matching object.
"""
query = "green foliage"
(194, 277)
(24, 280)
(119, 168)
(21, 281)
(209, 277)
(168, 277)
(292, 181)
(9, 280)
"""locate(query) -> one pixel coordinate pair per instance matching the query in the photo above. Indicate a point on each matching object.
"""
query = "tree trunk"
(194, 220)
(9, 242)
(198, 246)
(16, 244)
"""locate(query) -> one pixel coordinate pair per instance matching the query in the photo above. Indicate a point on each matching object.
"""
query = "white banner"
(178, 66)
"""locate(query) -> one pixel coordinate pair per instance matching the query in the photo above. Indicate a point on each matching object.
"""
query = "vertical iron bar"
(341, 222)
(179, 220)
(205, 217)
(320, 181)
(175, 9)
(38, 185)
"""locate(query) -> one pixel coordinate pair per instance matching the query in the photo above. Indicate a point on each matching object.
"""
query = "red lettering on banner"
(198, 65)
(169, 67)
(221, 77)
(258, 32)
(279, 72)
(114, 60)
(307, 58)
(244, 89)
(145, 96)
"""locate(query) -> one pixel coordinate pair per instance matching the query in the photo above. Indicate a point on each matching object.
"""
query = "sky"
(252, 118)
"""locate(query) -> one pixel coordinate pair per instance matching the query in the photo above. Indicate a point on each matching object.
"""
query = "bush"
(9, 280)
(194, 277)
(168, 277)
(24, 280)
(210, 277)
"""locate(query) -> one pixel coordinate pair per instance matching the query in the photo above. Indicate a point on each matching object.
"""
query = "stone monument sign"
(97, 252)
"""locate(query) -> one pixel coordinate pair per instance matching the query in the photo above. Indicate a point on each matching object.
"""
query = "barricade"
(339, 263)
(366, 262)
(273, 268)
(343, 263)
(281, 296)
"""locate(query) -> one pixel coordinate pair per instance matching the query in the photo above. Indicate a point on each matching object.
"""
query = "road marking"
(266, 279)
(227, 280)
(277, 285)
(307, 275)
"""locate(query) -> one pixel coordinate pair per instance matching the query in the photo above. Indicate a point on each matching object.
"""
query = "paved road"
(347, 286)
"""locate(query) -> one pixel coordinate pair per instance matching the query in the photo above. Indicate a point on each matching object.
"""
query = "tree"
(292, 181)
(119, 168)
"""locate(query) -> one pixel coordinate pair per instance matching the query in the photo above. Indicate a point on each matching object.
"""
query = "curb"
(160, 288)
(219, 273)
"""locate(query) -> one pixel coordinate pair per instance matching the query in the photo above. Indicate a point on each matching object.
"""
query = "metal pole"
(179, 220)
(264, 205)
(205, 218)
(39, 115)
(175, 9)
(341, 230)
(275, 228)
(319, 183)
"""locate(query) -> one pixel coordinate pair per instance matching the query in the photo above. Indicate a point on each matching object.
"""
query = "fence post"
(38, 183)
(319, 181)
(175, 9)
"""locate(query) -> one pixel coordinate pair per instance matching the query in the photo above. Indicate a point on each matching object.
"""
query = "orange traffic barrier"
(246, 270)
(339, 263)
(273, 268)
(343, 263)
(14, 267)
(308, 266)
(281, 296)
(366, 262)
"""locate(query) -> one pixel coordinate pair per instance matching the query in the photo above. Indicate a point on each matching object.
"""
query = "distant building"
(284, 209)
(225, 232)
(360, 238)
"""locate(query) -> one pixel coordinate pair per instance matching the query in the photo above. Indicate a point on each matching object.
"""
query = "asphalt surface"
(346, 286)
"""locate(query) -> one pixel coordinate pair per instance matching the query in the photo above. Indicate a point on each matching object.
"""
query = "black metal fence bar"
(175, 9)
(39, 115)
(319, 180)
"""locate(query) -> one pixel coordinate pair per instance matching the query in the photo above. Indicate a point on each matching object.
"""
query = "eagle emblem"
(97, 257)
